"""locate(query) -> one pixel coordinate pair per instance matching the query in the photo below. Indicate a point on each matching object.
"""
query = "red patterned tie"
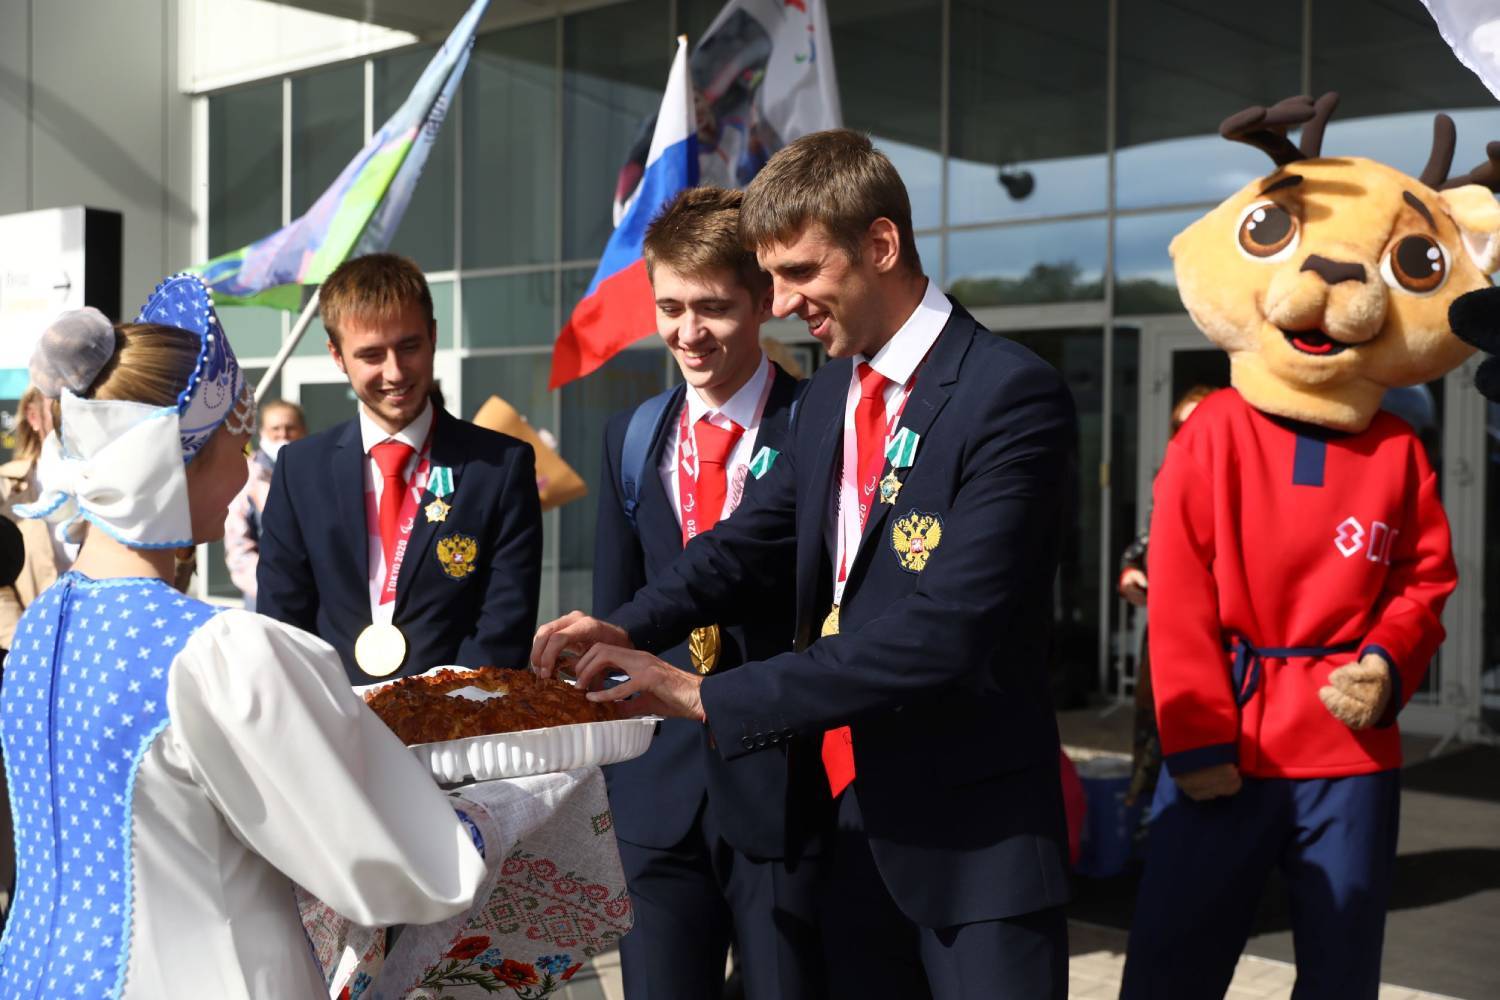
(869, 435)
(714, 444)
(391, 457)
(869, 438)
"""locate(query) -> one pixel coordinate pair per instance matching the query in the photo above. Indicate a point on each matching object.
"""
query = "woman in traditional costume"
(176, 767)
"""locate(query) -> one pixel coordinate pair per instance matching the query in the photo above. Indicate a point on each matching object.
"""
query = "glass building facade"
(1051, 152)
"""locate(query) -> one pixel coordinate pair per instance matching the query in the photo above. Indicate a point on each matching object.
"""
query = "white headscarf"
(116, 465)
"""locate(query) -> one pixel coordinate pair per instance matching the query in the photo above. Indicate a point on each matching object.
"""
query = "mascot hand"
(1356, 693)
(1210, 782)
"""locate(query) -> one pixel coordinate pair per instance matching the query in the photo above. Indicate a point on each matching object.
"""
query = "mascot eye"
(1267, 231)
(1416, 264)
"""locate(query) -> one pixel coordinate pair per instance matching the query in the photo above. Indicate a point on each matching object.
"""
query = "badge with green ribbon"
(440, 485)
(763, 460)
(902, 451)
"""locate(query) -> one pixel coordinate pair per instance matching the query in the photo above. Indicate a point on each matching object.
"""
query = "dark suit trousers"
(691, 900)
(874, 950)
(1334, 841)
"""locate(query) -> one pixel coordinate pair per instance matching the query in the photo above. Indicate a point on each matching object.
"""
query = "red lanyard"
(687, 455)
(406, 521)
(687, 476)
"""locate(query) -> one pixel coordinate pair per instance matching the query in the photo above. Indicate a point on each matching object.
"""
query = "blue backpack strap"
(644, 424)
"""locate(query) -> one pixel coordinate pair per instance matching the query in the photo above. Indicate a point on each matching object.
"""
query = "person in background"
(281, 423)
(1145, 762)
(18, 485)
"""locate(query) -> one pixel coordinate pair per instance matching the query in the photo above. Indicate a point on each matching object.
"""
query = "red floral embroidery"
(469, 947)
(568, 973)
(517, 974)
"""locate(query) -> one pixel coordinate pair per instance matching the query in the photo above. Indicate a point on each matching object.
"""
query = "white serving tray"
(531, 751)
(536, 751)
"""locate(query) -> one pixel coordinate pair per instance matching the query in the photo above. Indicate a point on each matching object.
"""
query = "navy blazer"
(769, 805)
(314, 550)
(940, 665)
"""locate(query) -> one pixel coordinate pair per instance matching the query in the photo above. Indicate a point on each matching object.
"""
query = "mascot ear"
(1475, 319)
(1474, 209)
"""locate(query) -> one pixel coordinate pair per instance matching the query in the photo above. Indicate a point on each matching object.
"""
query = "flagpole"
(298, 329)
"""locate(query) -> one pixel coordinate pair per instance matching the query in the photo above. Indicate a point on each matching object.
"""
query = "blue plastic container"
(1109, 826)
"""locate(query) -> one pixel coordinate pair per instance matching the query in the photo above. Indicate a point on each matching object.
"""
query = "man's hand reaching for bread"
(652, 686)
(562, 641)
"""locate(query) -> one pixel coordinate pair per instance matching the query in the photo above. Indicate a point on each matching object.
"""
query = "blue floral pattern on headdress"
(217, 385)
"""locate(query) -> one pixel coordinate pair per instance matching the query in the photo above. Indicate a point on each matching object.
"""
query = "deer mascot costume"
(1299, 554)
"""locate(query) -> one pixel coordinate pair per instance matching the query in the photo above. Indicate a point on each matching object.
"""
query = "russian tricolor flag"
(619, 308)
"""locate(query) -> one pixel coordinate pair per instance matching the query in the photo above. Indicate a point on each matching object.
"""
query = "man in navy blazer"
(922, 572)
(454, 507)
(713, 850)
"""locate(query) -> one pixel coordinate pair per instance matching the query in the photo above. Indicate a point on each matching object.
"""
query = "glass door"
(1174, 359)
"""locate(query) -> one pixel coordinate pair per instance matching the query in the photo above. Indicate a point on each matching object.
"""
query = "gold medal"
(380, 649)
(890, 487)
(703, 648)
(831, 623)
(437, 511)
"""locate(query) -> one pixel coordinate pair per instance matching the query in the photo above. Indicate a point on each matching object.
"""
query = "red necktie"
(869, 435)
(713, 444)
(869, 440)
(391, 458)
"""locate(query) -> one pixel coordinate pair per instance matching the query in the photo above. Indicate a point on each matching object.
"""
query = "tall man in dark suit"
(712, 849)
(406, 538)
(916, 514)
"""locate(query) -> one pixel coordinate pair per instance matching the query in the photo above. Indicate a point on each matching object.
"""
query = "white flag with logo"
(1472, 30)
(762, 76)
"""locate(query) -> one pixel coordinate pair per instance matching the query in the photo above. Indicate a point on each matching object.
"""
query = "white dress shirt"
(745, 408)
(271, 771)
(413, 434)
(897, 361)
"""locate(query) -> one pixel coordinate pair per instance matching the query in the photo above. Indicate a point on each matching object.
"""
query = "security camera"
(1018, 182)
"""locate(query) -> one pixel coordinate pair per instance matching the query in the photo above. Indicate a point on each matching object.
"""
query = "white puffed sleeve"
(310, 779)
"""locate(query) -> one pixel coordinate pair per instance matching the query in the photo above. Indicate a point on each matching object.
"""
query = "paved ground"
(1442, 934)
(1093, 973)
(1443, 927)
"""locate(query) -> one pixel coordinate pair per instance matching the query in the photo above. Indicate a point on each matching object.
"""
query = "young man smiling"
(915, 515)
(405, 537)
(712, 850)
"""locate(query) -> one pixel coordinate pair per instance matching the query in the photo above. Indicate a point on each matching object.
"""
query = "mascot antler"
(1266, 128)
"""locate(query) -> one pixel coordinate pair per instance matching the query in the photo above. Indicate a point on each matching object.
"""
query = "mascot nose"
(1332, 271)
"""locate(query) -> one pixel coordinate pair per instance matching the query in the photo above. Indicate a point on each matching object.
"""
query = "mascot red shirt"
(1337, 551)
(1300, 557)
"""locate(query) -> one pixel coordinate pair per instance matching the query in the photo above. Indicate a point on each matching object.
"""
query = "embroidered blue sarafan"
(84, 697)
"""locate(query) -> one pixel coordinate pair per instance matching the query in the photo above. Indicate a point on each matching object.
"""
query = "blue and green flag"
(360, 211)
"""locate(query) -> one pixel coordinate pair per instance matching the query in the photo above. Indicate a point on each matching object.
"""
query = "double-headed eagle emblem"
(914, 536)
(456, 553)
